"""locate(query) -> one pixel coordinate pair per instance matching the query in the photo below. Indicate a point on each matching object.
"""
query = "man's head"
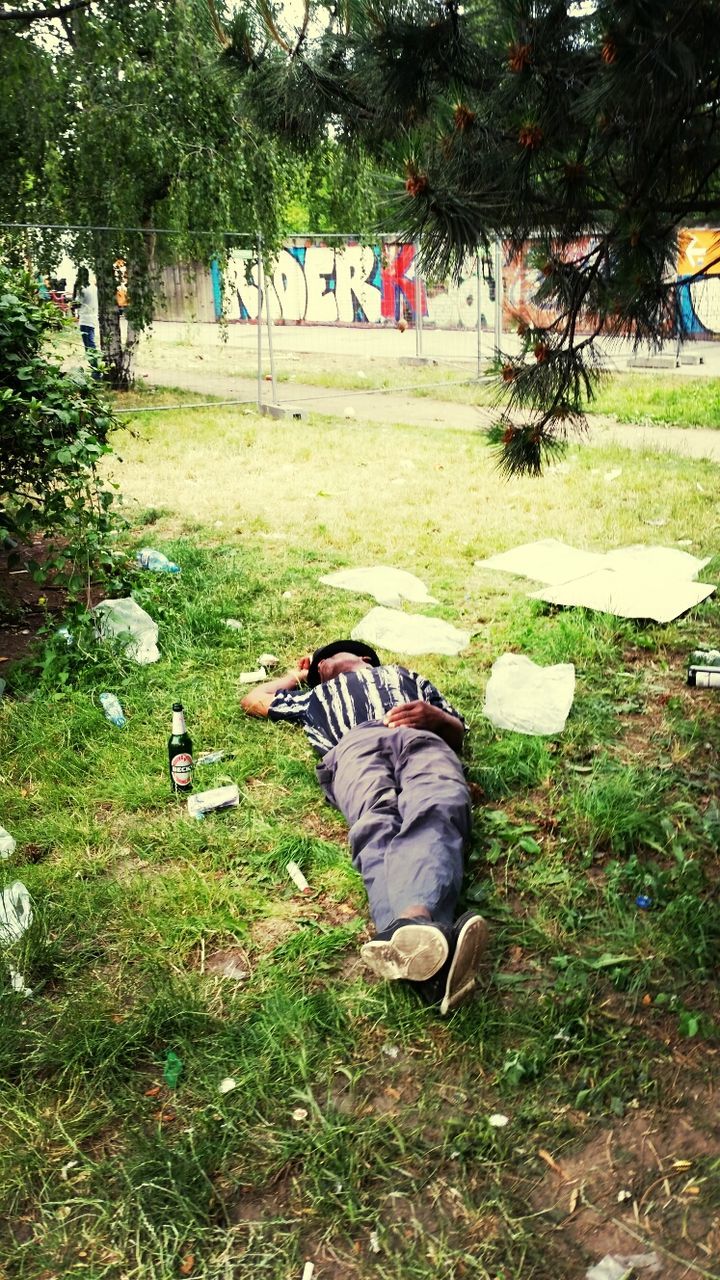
(341, 655)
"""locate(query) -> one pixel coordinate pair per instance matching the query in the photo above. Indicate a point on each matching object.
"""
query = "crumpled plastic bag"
(15, 913)
(527, 698)
(124, 617)
(615, 1266)
(389, 586)
(409, 633)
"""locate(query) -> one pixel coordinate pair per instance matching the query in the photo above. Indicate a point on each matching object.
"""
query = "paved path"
(396, 406)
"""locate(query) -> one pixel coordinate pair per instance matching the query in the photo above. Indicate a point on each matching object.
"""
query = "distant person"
(389, 744)
(85, 306)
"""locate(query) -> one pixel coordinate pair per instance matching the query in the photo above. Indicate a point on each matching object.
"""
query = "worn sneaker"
(412, 949)
(456, 979)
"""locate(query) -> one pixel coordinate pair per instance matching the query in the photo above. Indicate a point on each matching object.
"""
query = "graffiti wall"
(353, 284)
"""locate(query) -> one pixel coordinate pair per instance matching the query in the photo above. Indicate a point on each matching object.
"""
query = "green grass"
(392, 1172)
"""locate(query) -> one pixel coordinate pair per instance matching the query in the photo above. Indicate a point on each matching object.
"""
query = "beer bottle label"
(181, 770)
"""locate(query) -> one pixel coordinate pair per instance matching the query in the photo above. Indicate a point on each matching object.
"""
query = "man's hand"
(423, 715)
(257, 702)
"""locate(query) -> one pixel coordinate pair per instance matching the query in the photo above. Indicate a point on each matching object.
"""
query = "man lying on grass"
(389, 743)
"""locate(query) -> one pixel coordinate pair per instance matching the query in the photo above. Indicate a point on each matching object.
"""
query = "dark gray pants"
(404, 795)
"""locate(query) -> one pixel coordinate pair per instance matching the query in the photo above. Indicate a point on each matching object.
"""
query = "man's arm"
(423, 715)
(259, 699)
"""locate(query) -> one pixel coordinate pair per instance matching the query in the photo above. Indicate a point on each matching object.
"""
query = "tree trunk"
(118, 357)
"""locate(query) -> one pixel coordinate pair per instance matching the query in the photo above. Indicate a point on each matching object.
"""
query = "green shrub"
(54, 428)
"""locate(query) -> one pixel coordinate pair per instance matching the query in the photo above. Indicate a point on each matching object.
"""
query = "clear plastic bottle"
(112, 709)
(148, 558)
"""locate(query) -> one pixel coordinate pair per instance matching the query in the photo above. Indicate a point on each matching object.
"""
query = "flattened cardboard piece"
(628, 595)
(388, 586)
(657, 560)
(549, 561)
(409, 633)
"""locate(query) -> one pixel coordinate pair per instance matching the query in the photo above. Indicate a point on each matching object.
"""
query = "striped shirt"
(336, 706)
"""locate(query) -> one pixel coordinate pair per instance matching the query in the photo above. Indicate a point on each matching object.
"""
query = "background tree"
(536, 120)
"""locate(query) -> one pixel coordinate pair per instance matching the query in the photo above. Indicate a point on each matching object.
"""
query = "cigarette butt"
(308, 1271)
(297, 877)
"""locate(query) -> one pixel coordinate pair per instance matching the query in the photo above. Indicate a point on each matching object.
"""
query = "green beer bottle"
(180, 751)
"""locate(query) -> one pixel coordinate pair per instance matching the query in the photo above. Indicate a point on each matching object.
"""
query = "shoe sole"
(415, 952)
(462, 974)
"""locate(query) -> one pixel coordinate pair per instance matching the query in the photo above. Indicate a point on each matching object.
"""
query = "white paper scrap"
(628, 595)
(548, 560)
(15, 912)
(409, 633)
(388, 586)
(526, 698)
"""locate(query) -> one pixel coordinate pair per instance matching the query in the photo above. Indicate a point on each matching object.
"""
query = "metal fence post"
(418, 305)
(478, 300)
(271, 353)
(259, 276)
(498, 295)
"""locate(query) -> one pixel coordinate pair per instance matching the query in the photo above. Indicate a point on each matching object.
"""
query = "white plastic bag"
(409, 633)
(389, 586)
(125, 618)
(527, 698)
(15, 913)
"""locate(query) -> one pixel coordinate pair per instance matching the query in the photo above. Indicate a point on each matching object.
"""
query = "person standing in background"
(85, 307)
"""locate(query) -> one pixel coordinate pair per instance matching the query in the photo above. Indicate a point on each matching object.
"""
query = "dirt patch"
(268, 933)
(25, 605)
(231, 963)
(650, 1182)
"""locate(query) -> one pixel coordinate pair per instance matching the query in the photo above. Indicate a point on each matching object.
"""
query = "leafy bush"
(54, 428)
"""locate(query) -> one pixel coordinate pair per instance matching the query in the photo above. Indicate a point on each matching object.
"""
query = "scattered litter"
(643, 902)
(210, 757)
(615, 1266)
(299, 1114)
(659, 523)
(227, 1085)
(252, 677)
(527, 698)
(684, 542)
(551, 1162)
(216, 798)
(125, 618)
(70, 1164)
(287, 595)
(390, 1050)
(309, 1268)
(234, 624)
(498, 1121)
(624, 1195)
(15, 913)
(409, 633)
(268, 661)
(350, 412)
(148, 558)
(231, 963)
(65, 635)
(389, 586)
(17, 982)
(7, 844)
(297, 877)
(610, 476)
(374, 1242)
(172, 1069)
(113, 710)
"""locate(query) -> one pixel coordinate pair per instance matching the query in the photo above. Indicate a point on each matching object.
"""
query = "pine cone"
(541, 352)
(464, 118)
(530, 136)
(509, 373)
(608, 52)
(519, 57)
(417, 184)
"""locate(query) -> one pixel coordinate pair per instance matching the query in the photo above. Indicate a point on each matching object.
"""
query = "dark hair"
(339, 646)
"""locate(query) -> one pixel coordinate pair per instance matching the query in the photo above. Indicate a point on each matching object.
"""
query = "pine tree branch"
(35, 15)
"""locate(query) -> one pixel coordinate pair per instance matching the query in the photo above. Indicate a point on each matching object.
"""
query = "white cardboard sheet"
(630, 582)
(628, 594)
(548, 560)
(388, 586)
(409, 633)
